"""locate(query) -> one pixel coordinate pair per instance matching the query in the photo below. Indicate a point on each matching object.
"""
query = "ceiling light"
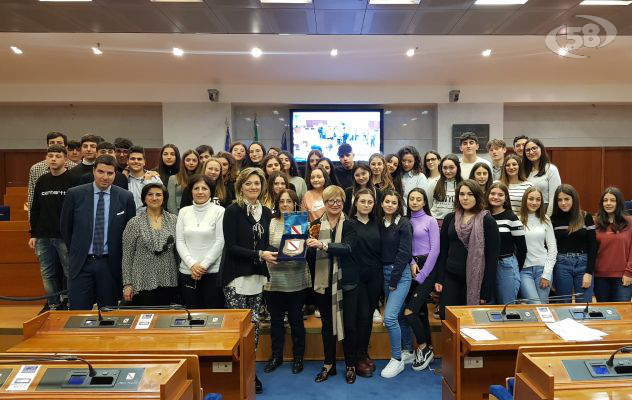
(394, 2)
(487, 53)
(178, 52)
(605, 3)
(16, 50)
(562, 51)
(499, 2)
(67, 1)
(97, 50)
(334, 52)
(256, 52)
(177, 1)
(286, 1)
(410, 52)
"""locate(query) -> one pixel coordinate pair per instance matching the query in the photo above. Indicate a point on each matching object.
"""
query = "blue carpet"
(282, 384)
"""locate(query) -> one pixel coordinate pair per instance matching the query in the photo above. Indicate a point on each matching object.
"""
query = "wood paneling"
(618, 170)
(581, 167)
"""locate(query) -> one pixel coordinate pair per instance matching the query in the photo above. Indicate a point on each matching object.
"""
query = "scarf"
(321, 275)
(473, 238)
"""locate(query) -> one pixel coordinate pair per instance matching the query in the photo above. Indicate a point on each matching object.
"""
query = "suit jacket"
(77, 221)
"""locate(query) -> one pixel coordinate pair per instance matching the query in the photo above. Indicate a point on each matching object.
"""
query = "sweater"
(343, 250)
(48, 198)
(581, 241)
(367, 249)
(397, 243)
(541, 246)
(516, 191)
(299, 185)
(439, 209)
(512, 241)
(241, 250)
(344, 176)
(411, 181)
(200, 236)
(349, 198)
(37, 170)
(142, 268)
(175, 195)
(286, 276)
(77, 173)
(453, 255)
(547, 183)
(614, 258)
(425, 241)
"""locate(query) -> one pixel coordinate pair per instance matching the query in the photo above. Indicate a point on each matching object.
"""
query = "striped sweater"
(516, 191)
(512, 241)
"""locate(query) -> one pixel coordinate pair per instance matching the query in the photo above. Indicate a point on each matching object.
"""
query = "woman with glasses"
(150, 276)
(539, 170)
(200, 240)
(431, 166)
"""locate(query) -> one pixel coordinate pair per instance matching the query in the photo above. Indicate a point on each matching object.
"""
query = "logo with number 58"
(578, 37)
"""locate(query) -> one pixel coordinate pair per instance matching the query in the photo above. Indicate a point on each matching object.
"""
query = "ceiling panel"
(145, 18)
(95, 18)
(527, 22)
(480, 22)
(340, 4)
(448, 4)
(339, 22)
(36, 18)
(193, 18)
(242, 20)
(434, 21)
(387, 22)
(234, 3)
(297, 21)
(554, 4)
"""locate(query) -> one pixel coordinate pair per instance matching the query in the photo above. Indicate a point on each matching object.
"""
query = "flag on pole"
(284, 140)
(256, 130)
(227, 141)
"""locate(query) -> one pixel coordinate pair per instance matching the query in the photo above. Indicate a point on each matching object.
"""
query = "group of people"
(204, 229)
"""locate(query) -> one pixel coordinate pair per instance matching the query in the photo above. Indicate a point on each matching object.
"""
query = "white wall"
(571, 125)
(460, 113)
(26, 126)
(187, 125)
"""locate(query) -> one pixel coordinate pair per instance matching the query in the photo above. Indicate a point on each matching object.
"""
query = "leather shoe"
(370, 362)
(273, 364)
(350, 375)
(324, 374)
(258, 386)
(364, 370)
(297, 365)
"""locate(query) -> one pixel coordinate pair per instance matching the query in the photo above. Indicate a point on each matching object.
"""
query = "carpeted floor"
(281, 384)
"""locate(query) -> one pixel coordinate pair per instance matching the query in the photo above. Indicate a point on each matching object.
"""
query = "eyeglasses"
(334, 202)
(531, 149)
(431, 159)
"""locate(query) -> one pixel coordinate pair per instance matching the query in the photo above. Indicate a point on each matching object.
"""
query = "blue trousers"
(530, 285)
(394, 320)
(507, 280)
(568, 275)
(93, 284)
(52, 255)
(611, 289)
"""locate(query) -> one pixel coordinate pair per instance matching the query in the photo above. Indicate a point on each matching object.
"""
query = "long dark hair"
(425, 167)
(505, 189)
(308, 167)
(576, 215)
(293, 196)
(602, 220)
(417, 166)
(264, 163)
(325, 175)
(490, 176)
(164, 170)
(369, 185)
(293, 167)
(426, 207)
(440, 190)
(543, 162)
(504, 178)
(476, 191)
(183, 176)
(354, 208)
(400, 204)
(332, 174)
(248, 161)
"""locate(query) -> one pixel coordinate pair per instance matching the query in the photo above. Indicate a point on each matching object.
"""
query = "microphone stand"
(26, 359)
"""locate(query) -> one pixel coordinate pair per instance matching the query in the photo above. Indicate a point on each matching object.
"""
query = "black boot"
(297, 365)
(258, 385)
(273, 364)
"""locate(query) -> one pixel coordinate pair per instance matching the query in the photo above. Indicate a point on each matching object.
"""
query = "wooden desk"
(12, 321)
(19, 267)
(133, 377)
(490, 362)
(544, 374)
(229, 347)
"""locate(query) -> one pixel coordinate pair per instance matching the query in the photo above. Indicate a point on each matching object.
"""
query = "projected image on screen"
(329, 129)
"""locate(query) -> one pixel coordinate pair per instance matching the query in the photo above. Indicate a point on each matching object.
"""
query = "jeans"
(394, 320)
(53, 258)
(568, 275)
(611, 289)
(530, 285)
(507, 280)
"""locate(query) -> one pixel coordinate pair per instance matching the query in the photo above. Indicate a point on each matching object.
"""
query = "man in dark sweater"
(344, 172)
(48, 198)
(89, 153)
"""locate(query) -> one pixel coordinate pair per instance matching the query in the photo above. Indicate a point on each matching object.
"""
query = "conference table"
(223, 340)
(470, 366)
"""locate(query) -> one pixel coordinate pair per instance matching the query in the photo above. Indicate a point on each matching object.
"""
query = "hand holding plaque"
(292, 246)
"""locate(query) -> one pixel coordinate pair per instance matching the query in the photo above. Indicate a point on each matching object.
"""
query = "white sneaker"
(392, 369)
(317, 314)
(407, 357)
(377, 317)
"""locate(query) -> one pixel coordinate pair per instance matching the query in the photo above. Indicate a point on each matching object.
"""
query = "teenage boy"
(205, 151)
(137, 177)
(121, 152)
(518, 144)
(497, 149)
(74, 151)
(89, 145)
(344, 172)
(48, 198)
(40, 168)
(106, 149)
(469, 146)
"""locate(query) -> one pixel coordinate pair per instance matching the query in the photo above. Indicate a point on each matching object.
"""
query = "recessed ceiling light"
(286, 1)
(67, 1)
(395, 2)
(178, 52)
(256, 52)
(605, 3)
(487, 53)
(410, 52)
(97, 50)
(387, 112)
(16, 50)
(334, 52)
(499, 2)
(177, 1)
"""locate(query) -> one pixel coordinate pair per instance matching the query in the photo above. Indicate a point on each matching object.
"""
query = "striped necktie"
(99, 225)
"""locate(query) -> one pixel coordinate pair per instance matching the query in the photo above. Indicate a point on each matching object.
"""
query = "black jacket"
(350, 270)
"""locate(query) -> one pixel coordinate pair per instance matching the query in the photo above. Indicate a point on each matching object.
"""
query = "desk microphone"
(169, 307)
(624, 349)
(560, 297)
(29, 359)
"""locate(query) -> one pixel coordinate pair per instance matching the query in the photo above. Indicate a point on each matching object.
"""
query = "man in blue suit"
(93, 218)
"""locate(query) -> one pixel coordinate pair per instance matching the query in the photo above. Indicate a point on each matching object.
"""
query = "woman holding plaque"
(330, 243)
(286, 291)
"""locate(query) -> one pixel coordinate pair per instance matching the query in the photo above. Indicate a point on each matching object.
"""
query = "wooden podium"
(222, 339)
(577, 373)
(116, 377)
(469, 367)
